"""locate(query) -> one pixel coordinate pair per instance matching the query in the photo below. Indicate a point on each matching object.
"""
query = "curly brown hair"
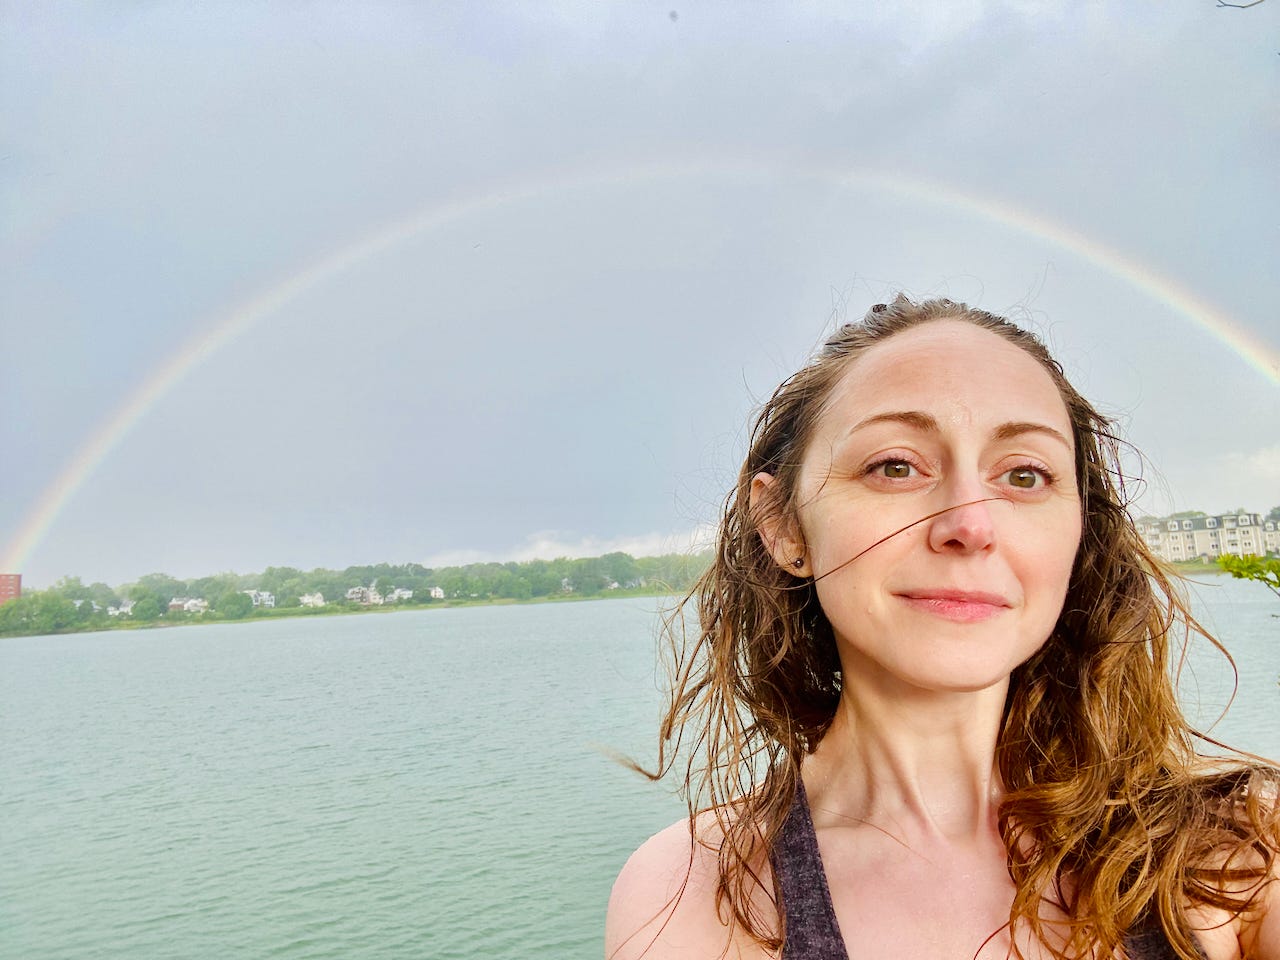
(1109, 811)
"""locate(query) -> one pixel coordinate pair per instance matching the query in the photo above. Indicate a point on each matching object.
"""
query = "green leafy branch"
(1264, 570)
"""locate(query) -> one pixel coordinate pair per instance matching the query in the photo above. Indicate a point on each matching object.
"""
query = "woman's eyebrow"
(911, 418)
(926, 423)
(1008, 431)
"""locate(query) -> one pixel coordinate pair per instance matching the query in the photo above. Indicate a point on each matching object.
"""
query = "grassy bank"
(101, 623)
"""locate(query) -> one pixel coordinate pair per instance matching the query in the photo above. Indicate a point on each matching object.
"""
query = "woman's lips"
(962, 606)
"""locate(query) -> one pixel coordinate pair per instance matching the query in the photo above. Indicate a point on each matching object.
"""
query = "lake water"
(422, 784)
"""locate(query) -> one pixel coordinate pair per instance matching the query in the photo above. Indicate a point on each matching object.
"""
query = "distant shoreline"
(341, 610)
(71, 606)
(1186, 570)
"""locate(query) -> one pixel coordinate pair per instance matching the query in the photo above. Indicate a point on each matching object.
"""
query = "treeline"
(70, 605)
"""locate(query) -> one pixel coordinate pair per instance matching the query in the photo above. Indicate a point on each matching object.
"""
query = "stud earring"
(798, 562)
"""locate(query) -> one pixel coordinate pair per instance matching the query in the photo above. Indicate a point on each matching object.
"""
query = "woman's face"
(943, 417)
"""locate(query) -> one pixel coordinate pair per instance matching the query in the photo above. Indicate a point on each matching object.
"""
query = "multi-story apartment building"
(1189, 538)
(10, 586)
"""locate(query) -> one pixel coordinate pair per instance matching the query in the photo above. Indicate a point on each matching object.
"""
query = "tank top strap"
(811, 931)
(1148, 941)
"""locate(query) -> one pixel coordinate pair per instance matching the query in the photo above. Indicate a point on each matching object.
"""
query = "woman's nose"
(964, 528)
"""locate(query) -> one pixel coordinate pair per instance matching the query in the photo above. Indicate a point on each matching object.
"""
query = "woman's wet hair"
(1110, 811)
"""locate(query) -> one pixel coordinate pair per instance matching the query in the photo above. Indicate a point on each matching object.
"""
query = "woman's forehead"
(947, 366)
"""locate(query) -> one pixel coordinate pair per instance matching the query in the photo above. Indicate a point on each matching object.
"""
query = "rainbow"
(246, 315)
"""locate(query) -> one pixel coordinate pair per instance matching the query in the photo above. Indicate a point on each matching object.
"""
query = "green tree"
(53, 613)
(208, 588)
(543, 580)
(103, 595)
(233, 605)
(273, 580)
(40, 612)
(159, 587)
(290, 591)
(1249, 567)
(13, 616)
(71, 588)
(621, 568)
(146, 609)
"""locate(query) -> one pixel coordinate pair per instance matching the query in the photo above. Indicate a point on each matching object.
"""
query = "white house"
(1188, 538)
(365, 595)
(261, 598)
(312, 599)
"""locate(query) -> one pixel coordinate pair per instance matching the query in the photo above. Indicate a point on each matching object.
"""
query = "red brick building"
(10, 586)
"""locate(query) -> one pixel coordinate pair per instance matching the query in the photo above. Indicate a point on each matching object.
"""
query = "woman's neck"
(920, 764)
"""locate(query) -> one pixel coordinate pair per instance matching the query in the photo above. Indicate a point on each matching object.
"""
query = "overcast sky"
(495, 281)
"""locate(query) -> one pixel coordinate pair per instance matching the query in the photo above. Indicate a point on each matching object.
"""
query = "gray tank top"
(811, 929)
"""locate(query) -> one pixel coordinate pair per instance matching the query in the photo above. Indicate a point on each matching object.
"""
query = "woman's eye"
(895, 469)
(1025, 478)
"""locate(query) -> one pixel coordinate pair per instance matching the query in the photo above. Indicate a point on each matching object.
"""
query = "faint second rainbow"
(249, 313)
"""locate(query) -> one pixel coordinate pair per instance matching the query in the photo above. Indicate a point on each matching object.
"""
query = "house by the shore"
(1181, 537)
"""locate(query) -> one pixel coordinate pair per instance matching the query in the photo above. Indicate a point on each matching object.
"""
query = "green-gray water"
(419, 785)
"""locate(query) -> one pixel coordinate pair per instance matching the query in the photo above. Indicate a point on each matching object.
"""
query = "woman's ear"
(779, 532)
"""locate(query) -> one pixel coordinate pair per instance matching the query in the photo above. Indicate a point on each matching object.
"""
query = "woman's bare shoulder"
(663, 905)
(1255, 932)
(1259, 927)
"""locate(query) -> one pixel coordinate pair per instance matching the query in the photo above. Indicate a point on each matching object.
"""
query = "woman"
(928, 712)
